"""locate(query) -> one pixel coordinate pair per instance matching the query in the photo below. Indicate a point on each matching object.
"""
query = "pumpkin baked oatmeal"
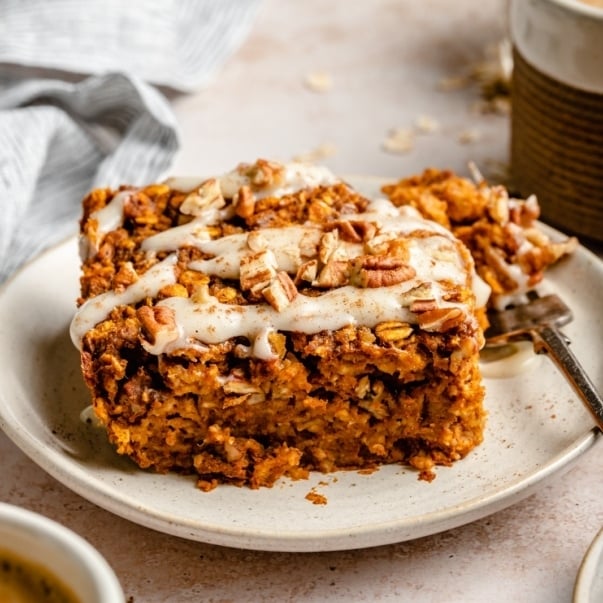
(511, 251)
(274, 321)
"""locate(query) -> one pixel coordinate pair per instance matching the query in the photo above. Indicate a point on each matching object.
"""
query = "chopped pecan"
(208, 194)
(257, 270)
(307, 271)
(379, 244)
(423, 305)
(244, 202)
(498, 205)
(335, 273)
(355, 231)
(308, 245)
(280, 292)
(423, 291)
(379, 271)
(389, 243)
(264, 173)
(328, 246)
(441, 319)
(159, 327)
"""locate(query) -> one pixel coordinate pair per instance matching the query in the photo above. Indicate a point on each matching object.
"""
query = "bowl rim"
(582, 8)
(101, 574)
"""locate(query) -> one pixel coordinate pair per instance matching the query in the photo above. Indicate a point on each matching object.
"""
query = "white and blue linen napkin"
(63, 135)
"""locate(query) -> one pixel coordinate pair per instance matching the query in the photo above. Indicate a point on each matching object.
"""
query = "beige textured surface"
(385, 60)
(529, 552)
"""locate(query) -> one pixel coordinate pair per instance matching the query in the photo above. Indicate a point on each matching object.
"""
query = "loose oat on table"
(399, 140)
(322, 151)
(319, 81)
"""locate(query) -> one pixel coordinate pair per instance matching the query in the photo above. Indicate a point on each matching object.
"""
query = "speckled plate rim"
(344, 523)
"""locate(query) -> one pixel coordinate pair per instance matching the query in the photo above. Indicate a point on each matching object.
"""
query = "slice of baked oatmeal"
(274, 321)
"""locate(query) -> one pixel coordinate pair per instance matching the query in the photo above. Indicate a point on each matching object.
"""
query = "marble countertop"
(333, 79)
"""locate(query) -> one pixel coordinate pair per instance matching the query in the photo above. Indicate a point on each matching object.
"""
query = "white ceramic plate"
(536, 429)
(589, 582)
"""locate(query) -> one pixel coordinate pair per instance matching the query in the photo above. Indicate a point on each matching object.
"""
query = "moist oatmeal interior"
(274, 321)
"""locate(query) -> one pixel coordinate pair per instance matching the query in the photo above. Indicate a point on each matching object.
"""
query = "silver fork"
(539, 320)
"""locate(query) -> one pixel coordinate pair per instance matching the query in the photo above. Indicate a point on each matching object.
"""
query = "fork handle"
(550, 340)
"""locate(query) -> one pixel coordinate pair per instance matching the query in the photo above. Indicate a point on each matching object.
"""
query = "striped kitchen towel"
(175, 43)
(59, 139)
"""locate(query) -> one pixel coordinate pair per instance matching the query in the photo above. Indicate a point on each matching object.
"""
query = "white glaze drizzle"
(481, 290)
(384, 207)
(285, 243)
(97, 309)
(295, 177)
(190, 233)
(111, 216)
(508, 360)
(228, 251)
(210, 321)
(206, 321)
(214, 322)
(107, 219)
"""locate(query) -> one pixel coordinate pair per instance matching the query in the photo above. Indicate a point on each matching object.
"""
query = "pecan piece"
(159, 328)
(328, 246)
(524, 213)
(208, 194)
(308, 245)
(336, 273)
(379, 271)
(126, 275)
(423, 305)
(257, 270)
(441, 319)
(244, 202)
(498, 205)
(307, 271)
(355, 231)
(264, 173)
(280, 292)
(393, 246)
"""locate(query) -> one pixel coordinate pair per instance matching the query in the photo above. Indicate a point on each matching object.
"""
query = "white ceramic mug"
(42, 542)
(557, 116)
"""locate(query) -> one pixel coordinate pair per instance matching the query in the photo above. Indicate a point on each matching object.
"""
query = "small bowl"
(589, 581)
(44, 543)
